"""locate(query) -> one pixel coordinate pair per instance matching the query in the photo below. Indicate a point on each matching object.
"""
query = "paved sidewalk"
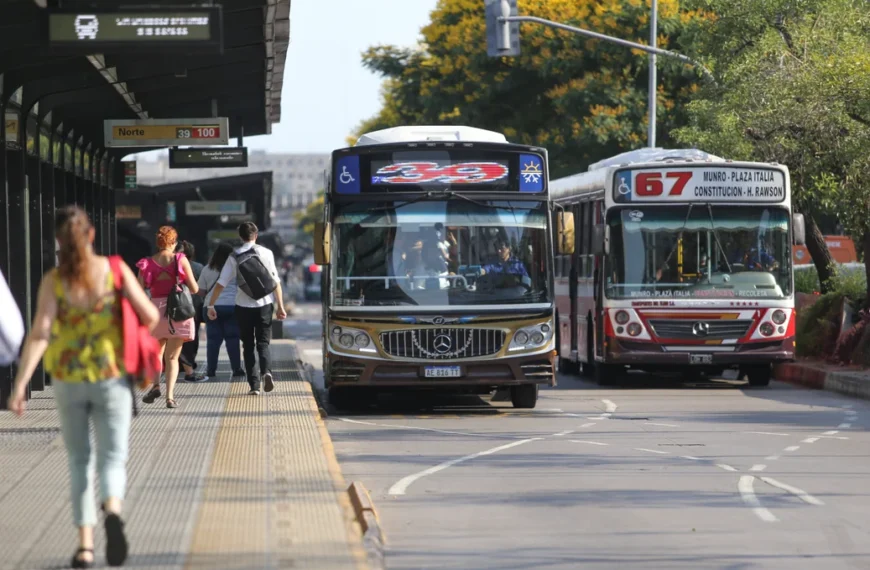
(853, 382)
(226, 481)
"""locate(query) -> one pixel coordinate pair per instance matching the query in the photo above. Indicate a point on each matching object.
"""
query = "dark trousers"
(224, 329)
(255, 326)
(191, 348)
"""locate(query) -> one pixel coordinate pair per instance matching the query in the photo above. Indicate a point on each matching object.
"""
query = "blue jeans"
(110, 405)
(225, 328)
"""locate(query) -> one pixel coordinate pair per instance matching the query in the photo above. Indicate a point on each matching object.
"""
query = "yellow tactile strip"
(271, 498)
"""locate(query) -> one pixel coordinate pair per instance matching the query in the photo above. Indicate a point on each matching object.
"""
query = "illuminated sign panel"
(167, 132)
(721, 184)
(230, 157)
(179, 27)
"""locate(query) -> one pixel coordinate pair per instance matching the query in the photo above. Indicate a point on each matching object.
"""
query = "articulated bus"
(436, 248)
(683, 263)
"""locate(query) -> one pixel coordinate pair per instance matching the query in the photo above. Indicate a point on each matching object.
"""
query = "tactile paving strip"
(270, 473)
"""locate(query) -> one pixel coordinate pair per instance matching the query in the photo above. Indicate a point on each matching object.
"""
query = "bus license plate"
(443, 372)
(700, 359)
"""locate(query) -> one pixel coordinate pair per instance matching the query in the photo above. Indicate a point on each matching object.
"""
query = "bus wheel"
(759, 376)
(568, 366)
(524, 396)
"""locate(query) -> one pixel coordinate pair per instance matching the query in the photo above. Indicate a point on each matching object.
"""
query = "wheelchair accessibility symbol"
(345, 177)
(623, 188)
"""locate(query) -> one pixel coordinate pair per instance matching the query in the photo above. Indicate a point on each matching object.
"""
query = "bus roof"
(656, 155)
(430, 133)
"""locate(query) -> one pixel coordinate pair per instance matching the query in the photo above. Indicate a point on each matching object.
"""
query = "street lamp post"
(653, 80)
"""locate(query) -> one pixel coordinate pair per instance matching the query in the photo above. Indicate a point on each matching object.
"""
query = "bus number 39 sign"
(431, 173)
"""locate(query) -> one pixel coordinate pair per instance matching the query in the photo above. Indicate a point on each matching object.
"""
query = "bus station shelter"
(59, 83)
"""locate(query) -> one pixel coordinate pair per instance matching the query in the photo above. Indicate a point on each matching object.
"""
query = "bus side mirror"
(565, 231)
(798, 229)
(599, 239)
(321, 243)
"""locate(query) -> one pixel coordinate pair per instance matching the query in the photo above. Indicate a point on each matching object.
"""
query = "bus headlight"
(778, 316)
(531, 337)
(351, 339)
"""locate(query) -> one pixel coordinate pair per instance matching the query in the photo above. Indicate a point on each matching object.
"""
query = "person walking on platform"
(225, 328)
(190, 349)
(77, 327)
(253, 269)
(160, 274)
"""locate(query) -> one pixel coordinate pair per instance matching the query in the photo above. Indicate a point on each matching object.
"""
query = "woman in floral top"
(78, 329)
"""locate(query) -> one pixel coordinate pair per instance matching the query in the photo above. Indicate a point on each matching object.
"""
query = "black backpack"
(179, 304)
(253, 277)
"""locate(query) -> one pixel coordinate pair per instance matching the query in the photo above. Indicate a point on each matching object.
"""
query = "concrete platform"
(225, 481)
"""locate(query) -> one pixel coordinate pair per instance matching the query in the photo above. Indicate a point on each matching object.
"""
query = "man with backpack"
(259, 291)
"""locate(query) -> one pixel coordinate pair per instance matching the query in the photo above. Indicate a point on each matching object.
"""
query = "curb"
(850, 384)
(367, 517)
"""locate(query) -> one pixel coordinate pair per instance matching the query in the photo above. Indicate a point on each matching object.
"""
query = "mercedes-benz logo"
(701, 328)
(442, 344)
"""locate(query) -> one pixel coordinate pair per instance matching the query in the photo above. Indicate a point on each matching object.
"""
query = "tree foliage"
(795, 89)
(582, 99)
(313, 213)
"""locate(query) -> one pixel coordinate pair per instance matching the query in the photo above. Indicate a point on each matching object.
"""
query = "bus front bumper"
(511, 371)
(642, 353)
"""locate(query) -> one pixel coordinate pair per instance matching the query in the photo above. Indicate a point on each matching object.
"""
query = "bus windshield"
(699, 251)
(440, 253)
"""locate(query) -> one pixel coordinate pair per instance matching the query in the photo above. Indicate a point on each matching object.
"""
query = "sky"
(327, 92)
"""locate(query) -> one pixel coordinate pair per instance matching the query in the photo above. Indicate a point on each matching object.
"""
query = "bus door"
(573, 277)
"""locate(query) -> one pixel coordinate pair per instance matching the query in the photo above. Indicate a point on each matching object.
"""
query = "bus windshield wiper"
(716, 237)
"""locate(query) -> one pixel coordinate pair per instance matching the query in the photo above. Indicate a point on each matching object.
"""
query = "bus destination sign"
(166, 132)
(229, 157)
(191, 27)
(702, 184)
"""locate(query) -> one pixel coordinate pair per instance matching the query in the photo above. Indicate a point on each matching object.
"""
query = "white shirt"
(208, 279)
(228, 275)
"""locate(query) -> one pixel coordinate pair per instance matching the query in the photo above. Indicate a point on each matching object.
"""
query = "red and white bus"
(682, 263)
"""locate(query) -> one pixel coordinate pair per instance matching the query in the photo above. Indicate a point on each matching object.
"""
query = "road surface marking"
(663, 425)
(394, 426)
(832, 432)
(844, 426)
(792, 448)
(851, 413)
(811, 440)
(767, 433)
(771, 457)
(691, 458)
(589, 442)
(590, 424)
(651, 451)
(726, 467)
(609, 406)
(561, 433)
(402, 485)
(758, 468)
(315, 352)
(554, 410)
(599, 418)
(803, 495)
(747, 493)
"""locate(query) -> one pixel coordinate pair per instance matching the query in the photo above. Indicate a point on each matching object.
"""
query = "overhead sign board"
(701, 184)
(148, 28)
(216, 208)
(228, 157)
(166, 132)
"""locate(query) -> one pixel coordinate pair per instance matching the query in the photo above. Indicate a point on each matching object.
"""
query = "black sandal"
(78, 562)
(116, 540)
(152, 395)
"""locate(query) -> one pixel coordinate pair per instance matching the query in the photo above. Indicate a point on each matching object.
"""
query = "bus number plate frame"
(442, 372)
(700, 359)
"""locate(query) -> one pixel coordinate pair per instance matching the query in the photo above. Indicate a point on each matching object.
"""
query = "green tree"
(313, 213)
(582, 99)
(795, 89)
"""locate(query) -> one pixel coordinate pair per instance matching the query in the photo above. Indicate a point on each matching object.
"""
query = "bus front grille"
(715, 329)
(442, 343)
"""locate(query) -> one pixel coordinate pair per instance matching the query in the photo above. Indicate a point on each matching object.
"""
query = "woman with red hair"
(160, 274)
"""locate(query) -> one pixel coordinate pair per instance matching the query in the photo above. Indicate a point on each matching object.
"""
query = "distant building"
(296, 178)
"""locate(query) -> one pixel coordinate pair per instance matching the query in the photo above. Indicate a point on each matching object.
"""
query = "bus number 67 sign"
(650, 183)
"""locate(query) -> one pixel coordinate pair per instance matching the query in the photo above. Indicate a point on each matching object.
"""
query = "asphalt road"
(653, 474)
